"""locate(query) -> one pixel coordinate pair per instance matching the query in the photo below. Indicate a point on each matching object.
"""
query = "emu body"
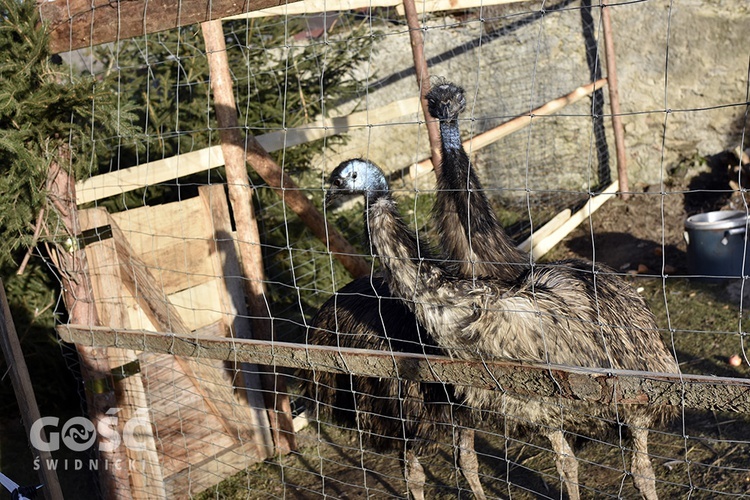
(391, 413)
(571, 312)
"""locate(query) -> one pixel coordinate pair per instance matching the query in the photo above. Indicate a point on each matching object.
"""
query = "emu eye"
(337, 182)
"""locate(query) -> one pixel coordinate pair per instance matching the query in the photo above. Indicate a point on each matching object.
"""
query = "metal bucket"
(717, 245)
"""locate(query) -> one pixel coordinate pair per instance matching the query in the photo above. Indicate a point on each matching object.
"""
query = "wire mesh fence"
(158, 217)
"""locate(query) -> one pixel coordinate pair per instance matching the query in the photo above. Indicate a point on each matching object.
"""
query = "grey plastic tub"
(717, 245)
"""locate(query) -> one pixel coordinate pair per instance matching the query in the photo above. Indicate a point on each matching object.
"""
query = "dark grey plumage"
(473, 239)
(572, 313)
(364, 315)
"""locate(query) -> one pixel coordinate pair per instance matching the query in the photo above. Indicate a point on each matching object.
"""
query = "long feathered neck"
(471, 234)
(408, 263)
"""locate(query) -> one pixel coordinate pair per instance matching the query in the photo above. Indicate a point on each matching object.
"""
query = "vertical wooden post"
(19, 376)
(251, 257)
(614, 103)
(78, 297)
(423, 80)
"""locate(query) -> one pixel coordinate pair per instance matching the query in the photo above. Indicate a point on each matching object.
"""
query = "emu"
(363, 314)
(572, 312)
(393, 414)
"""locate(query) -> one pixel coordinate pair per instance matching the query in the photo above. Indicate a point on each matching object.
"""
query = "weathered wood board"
(167, 268)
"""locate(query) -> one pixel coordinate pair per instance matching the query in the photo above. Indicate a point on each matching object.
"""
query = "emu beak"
(331, 196)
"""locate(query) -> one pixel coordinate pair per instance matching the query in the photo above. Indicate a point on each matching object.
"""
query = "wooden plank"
(186, 427)
(24, 391)
(326, 127)
(519, 122)
(73, 24)
(425, 6)
(154, 172)
(147, 174)
(214, 468)
(231, 298)
(208, 381)
(544, 231)
(598, 385)
(146, 481)
(314, 7)
(173, 240)
(78, 296)
(317, 6)
(591, 206)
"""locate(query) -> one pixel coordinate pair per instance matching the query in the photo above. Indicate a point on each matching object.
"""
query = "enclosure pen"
(192, 249)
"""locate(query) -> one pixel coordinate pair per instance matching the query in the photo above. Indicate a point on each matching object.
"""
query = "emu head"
(445, 101)
(356, 176)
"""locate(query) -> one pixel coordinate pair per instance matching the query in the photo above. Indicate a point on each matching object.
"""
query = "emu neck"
(408, 264)
(450, 136)
(473, 238)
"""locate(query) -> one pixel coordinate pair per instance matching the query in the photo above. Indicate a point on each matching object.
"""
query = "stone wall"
(691, 58)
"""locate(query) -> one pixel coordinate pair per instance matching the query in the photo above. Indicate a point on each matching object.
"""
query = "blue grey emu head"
(356, 176)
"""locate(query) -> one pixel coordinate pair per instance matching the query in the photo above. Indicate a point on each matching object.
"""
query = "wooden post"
(423, 80)
(19, 376)
(251, 255)
(614, 103)
(78, 297)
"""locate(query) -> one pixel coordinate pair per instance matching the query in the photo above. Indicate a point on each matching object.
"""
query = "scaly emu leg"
(414, 474)
(567, 465)
(643, 473)
(467, 461)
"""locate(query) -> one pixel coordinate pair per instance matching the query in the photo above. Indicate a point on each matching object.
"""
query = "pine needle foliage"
(279, 83)
(41, 108)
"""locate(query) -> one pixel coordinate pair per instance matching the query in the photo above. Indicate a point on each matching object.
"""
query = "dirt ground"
(699, 455)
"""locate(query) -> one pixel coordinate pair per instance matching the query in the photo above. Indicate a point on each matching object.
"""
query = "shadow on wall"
(709, 191)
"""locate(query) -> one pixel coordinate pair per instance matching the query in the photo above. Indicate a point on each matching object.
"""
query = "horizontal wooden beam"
(587, 384)
(151, 173)
(317, 6)
(517, 123)
(74, 24)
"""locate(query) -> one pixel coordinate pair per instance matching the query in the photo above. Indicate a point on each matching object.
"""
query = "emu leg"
(467, 460)
(415, 476)
(643, 473)
(567, 465)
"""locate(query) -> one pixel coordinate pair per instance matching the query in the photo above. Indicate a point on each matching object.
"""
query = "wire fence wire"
(290, 70)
